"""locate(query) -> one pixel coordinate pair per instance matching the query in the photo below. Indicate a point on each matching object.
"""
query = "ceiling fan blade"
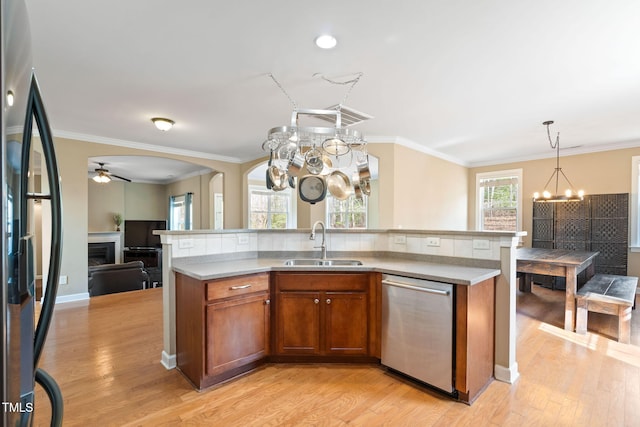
(120, 177)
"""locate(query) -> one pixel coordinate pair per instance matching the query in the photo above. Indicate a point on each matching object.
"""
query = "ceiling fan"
(103, 175)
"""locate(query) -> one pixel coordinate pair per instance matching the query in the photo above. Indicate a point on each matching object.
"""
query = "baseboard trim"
(506, 374)
(72, 298)
(168, 360)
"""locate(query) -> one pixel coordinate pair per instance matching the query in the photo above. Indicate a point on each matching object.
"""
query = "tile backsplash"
(458, 244)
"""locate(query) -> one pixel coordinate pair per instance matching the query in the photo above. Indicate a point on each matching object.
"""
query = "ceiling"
(466, 80)
(145, 169)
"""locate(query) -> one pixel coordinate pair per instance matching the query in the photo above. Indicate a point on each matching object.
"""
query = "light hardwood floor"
(105, 354)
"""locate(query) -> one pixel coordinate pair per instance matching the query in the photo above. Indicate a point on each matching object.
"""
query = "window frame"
(187, 208)
(352, 197)
(495, 175)
(291, 211)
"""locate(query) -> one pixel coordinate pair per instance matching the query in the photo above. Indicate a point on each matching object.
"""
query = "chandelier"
(570, 193)
(319, 159)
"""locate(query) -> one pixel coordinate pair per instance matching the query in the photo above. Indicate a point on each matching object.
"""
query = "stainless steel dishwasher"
(417, 329)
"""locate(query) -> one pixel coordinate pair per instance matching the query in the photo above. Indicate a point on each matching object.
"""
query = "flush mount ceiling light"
(326, 41)
(332, 153)
(10, 98)
(162, 123)
(570, 195)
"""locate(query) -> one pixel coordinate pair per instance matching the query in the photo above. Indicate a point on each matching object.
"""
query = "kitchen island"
(233, 315)
(433, 255)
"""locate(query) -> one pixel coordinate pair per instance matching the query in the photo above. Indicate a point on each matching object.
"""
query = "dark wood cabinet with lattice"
(599, 223)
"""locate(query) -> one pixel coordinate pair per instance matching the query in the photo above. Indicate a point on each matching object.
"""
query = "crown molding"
(131, 144)
(415, 146)
(570, 151)
(144, 146)
(371, 139)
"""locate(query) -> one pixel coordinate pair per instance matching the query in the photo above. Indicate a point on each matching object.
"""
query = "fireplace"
(102, 253)
(102, 238)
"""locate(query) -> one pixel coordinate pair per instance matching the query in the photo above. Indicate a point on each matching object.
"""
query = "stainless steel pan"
(339, 185)
(279, 178)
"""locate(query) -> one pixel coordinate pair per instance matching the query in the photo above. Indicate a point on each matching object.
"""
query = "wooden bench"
(608, 294)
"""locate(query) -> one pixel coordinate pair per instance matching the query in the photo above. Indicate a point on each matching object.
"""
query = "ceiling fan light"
(102, 178)
(162, 123)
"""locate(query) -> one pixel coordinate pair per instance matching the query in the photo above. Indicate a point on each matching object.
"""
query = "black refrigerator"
(30, 188)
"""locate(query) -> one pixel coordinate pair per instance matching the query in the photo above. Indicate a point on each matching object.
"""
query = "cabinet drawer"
(235, 286)
(323, 282)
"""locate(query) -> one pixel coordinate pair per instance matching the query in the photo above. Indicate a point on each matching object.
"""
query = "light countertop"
(448, 273)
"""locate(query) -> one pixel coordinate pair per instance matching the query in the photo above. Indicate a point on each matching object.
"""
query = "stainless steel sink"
(322, 262)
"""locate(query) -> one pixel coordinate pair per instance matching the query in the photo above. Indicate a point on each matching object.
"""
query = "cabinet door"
(298, 323)
(346, 323)
(237, 332)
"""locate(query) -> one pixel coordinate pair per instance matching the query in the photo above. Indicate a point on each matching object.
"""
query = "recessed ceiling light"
(326, 41)
(162, 123)
(10, 98)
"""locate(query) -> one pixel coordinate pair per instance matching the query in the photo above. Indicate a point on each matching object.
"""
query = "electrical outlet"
(481, 244)
(243, 239)
(64, 280)
(400, 239)
(433, 241)
(185, 243)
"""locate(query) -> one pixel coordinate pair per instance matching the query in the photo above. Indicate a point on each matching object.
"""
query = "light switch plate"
(185, 243)
(481, 244)
(400, 239)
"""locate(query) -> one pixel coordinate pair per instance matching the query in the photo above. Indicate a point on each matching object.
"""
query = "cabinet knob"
(316, 301)
(328, 301)
(267, 302)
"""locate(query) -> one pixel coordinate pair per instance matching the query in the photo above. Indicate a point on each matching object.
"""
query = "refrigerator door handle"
(36, 110)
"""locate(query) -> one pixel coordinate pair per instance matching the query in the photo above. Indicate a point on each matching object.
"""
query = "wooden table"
(556, 262)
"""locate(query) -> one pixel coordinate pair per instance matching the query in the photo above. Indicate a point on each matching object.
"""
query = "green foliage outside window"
(269, 210)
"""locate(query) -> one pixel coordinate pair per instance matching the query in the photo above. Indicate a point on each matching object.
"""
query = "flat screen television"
(139, 233)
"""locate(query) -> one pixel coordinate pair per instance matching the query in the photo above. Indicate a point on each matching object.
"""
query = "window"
(180, 212)
(269, 209)
(349, 213)
(499, 202)
(635, 208)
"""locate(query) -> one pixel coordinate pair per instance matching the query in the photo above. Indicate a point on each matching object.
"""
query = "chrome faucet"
(323, 245)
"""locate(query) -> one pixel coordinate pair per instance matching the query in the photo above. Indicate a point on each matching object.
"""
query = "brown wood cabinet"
(222, 326)
(474, 339)
(325, 315)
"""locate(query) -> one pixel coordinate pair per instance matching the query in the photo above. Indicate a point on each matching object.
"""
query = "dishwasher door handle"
(415, 288)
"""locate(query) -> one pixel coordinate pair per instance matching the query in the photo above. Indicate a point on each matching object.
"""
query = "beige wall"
(596, 173)
(103, 202)
(420, 191)
(200, 186)
(72, 156)
(414, 190)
